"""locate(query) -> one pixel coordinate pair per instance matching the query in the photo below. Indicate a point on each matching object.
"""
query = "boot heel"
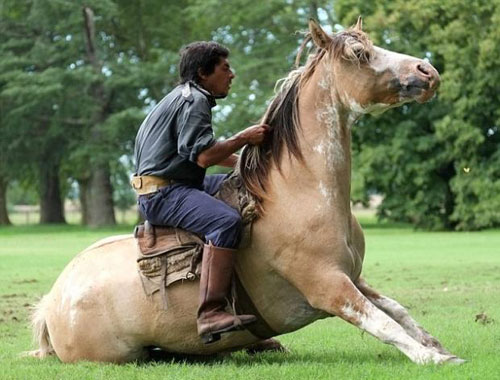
(210, 338)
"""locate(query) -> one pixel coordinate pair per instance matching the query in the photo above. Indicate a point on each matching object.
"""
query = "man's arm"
(223, 150)
(229, 162)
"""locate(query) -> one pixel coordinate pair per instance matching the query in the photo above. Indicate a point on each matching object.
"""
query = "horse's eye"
(361, 53)
(357, 49)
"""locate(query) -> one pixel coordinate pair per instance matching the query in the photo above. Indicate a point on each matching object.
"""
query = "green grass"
(445, 279)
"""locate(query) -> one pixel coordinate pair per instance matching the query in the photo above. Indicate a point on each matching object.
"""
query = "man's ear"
(319, 36)
(201, 75)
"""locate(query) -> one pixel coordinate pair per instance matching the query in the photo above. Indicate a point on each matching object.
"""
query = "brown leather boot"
(215, 285)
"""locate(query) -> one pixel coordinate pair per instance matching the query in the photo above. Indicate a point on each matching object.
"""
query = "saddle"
(167, 254)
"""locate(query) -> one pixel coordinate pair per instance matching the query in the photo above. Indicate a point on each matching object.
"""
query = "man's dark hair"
(202, 56)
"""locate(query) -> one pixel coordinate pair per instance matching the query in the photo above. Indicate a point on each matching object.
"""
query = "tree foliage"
(73, 93)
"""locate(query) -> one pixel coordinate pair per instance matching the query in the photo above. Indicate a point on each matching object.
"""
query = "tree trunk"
(51, 202)
(99, 199)
(4, 215)
(83, 185)
(99, 193)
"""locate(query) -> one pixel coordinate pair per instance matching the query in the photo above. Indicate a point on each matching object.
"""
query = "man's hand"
(221, 150)
(255, 134)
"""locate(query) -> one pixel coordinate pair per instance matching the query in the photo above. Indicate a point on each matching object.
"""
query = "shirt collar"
(210, 97)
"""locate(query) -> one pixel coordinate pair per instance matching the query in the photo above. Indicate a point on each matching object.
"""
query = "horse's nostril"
(422, 70)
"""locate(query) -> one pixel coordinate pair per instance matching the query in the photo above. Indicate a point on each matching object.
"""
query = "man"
(174, 146)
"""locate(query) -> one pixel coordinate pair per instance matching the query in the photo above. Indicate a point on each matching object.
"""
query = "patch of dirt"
(483, 319)
(14, 295)
(27, 281)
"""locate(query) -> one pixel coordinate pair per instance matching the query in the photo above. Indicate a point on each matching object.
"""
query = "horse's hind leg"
(397, 312)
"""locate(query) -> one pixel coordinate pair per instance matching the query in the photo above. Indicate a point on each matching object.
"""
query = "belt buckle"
(136, 182)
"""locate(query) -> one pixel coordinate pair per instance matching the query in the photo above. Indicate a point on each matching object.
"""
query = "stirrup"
(209, 338)
(214, 336)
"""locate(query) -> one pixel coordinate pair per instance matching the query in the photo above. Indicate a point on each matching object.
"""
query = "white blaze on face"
(399, 65)
(385, 60)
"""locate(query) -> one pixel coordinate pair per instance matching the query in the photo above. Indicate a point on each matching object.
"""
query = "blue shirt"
(174, 133)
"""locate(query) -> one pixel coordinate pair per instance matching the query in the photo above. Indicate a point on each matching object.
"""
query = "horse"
(305, 256)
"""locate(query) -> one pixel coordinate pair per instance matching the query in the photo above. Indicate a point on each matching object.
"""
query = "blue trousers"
(195, 210)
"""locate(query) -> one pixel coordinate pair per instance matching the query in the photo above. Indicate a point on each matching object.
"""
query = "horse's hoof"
(209, 338)
(266, 345)
(455, 360)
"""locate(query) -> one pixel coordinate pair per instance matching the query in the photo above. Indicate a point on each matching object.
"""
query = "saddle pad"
(166, 255)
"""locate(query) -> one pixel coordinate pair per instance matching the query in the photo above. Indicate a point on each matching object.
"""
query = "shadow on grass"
(242, 359)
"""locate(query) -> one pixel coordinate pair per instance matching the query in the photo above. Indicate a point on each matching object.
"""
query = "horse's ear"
(359, 24)
(319, 36)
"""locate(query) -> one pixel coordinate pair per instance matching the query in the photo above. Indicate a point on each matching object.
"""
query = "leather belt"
(148, 184)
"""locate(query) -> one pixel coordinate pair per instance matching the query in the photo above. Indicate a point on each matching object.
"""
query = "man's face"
(219, 82)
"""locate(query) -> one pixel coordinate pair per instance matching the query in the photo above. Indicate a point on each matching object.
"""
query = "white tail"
(40, 331)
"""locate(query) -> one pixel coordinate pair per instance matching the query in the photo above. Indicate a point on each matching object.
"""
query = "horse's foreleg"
(348, 303)
(400, 315)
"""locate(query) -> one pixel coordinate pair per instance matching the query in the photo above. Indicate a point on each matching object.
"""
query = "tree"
(75, 99)
(28, 94)
(130, 63)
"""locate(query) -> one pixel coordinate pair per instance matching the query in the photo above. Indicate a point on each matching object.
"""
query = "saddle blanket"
(166, 255)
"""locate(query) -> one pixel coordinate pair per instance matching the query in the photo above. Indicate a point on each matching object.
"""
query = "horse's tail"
(40, 331)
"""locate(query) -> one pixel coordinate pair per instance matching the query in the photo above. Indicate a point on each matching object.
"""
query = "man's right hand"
(255, 134)
(221, 150)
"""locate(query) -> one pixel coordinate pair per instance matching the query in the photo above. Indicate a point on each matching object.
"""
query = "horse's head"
(369, 79)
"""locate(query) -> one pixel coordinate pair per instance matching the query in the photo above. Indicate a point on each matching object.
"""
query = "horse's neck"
(325, 141)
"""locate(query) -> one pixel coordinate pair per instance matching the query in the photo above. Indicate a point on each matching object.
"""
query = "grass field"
(445, 279)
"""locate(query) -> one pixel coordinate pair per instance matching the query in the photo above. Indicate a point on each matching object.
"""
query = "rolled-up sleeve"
(195, 131)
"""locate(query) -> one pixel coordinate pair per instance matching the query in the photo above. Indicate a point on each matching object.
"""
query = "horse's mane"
(282, 113)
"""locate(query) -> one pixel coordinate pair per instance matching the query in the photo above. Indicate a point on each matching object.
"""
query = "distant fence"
(30, 214)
